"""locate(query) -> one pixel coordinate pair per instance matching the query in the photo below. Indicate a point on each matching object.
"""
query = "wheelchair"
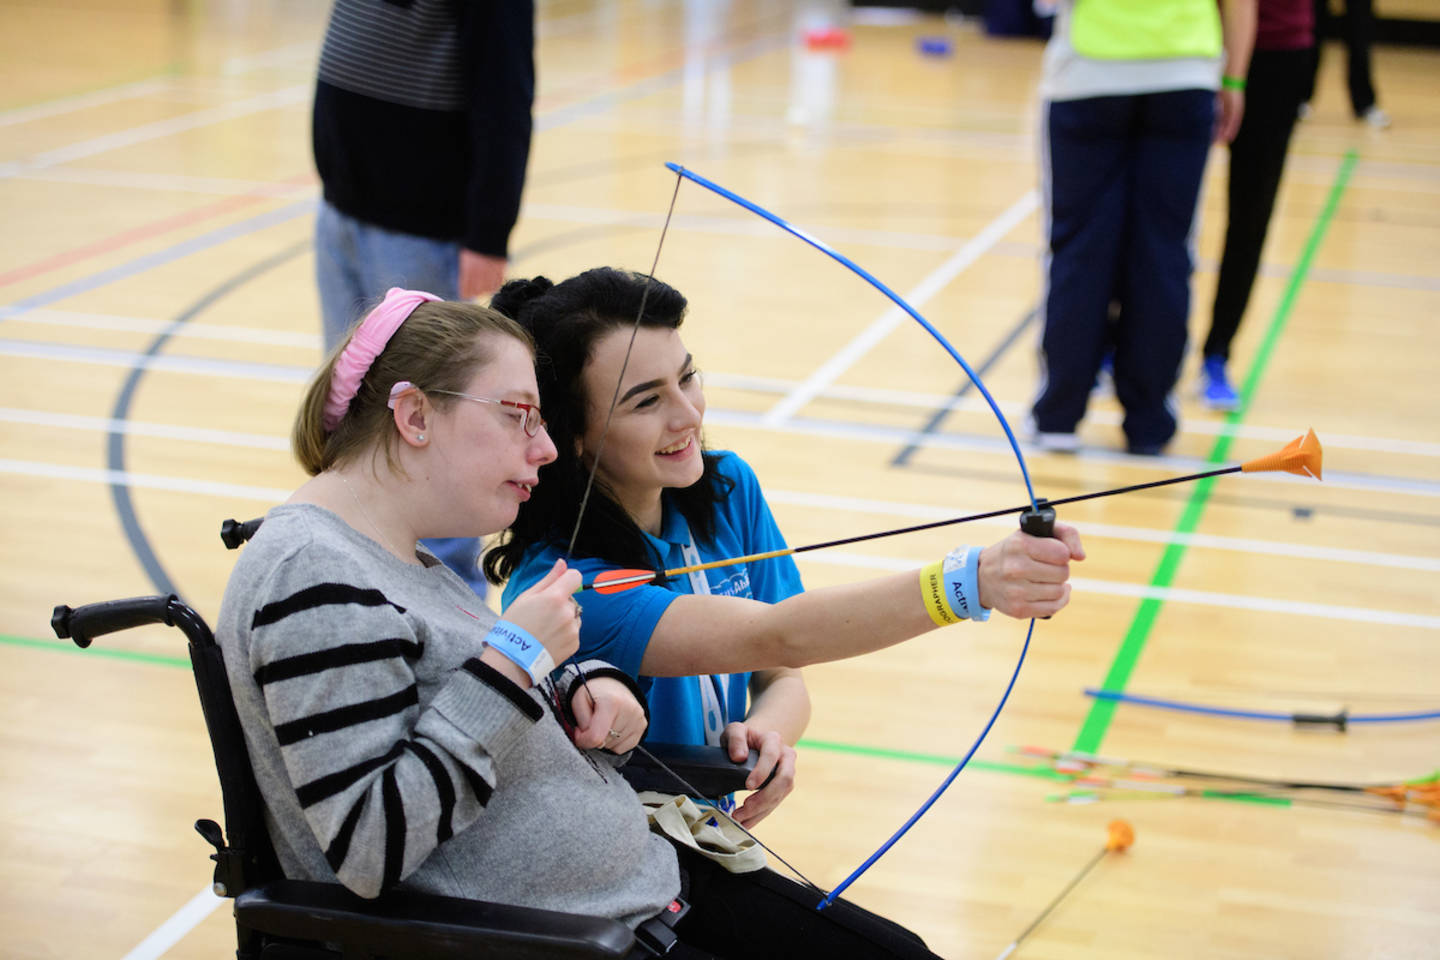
(277, 918)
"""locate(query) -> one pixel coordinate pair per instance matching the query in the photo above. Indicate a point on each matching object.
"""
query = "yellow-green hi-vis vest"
(1145, 29)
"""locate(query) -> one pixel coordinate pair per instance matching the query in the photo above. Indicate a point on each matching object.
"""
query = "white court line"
(172, 931)
(200, 366)
(83, 101)
(1167, 594)
(848, 505)
(870, 395)
(813, 428)
(893, 317)
(167, 182)
(235, 66)
(830, 557)
(923, 513)
(275, 99)
(203, 331)
(931, 401)
(290, 373)
(140, 428)
(144, 481)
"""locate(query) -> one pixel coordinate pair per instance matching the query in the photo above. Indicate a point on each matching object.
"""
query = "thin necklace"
(366, 514)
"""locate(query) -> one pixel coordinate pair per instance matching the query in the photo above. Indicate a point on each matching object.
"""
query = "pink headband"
(369, 340)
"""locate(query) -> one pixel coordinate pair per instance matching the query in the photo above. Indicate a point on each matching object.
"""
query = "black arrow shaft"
(1007, 511)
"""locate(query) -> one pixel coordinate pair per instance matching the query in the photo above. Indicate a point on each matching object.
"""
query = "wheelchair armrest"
(708, 769)
(424, 926)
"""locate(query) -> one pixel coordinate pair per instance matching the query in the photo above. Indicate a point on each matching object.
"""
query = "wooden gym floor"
(158, 316)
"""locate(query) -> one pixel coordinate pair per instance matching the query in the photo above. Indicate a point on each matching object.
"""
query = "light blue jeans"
(355, 263)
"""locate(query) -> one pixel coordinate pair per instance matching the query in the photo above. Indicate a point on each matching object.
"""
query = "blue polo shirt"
(617, 628)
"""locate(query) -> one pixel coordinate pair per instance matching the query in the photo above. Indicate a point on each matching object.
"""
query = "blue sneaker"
(1105, 376)
(1216, 390)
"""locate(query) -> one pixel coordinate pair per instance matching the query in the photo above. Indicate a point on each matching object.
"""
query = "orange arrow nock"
(1122, 835)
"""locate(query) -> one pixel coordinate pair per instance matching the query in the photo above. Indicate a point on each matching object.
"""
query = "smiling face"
(654, 437)
(482, 462)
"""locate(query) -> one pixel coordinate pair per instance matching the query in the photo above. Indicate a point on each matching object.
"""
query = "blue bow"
(1009, 434)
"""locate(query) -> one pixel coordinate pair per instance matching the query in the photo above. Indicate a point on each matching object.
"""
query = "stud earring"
(420, 437)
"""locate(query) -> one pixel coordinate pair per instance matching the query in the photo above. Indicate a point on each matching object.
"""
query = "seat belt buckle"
(657, 934)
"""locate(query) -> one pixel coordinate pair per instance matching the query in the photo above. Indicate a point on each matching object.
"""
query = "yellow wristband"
(932, 593)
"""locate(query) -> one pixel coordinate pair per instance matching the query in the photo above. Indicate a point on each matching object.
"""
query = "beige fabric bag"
(702, 830)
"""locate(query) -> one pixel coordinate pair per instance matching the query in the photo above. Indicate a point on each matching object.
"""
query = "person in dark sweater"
(421, 130)
(399, 733)
(1276, 85)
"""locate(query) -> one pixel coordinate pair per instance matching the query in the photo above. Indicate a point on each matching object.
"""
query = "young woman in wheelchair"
(660, 501)
(399, 733)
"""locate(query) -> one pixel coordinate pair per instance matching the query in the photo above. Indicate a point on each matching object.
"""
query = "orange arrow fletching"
(1122, 835)
(1300, 456)
(615, 581)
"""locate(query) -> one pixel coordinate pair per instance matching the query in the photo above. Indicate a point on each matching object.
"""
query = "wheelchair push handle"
(83, 624)
(233, 533)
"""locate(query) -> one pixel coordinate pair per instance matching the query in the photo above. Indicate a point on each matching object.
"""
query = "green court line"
(912, 756)
(909, 756)
(65, 646)
(1097, 721)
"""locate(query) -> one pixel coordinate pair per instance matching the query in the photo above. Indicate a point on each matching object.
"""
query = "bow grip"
(1039, 520)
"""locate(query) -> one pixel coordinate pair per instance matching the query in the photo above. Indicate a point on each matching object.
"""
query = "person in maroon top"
(1357, 28)
(1275, 86)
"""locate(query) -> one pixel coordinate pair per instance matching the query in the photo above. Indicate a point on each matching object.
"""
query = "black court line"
(902, 459)
(115, 440)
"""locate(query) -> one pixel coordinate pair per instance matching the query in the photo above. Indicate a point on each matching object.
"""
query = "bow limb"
(1009, 435)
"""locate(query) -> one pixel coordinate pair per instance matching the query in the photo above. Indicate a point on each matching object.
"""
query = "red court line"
(146, 232)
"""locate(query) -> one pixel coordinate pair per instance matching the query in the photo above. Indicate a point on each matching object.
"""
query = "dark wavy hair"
(565, 320)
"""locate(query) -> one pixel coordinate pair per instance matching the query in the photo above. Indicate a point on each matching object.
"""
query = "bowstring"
(614, 401)
(624, 365)
(585, 499)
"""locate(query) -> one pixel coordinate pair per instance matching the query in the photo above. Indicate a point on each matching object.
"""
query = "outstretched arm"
(1021, 576)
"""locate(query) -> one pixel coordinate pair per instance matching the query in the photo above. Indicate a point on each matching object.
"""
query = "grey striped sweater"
(387, 752)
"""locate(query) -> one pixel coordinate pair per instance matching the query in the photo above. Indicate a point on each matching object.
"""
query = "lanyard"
(713, 688)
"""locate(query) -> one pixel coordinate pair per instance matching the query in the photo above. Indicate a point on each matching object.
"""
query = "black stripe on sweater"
(349, 716)
(327, 786)
(444, 789)
(339, 848)
(478, 786)
(504, 685)
(395, 828)
(345, 655)
(320, 595)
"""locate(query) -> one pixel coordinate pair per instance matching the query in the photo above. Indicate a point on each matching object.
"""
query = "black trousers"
(762, 915)
(1274, 90)
(1120, 176)
(1358, 30)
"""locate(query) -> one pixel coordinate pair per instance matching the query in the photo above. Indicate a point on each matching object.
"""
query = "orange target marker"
(1120, 836)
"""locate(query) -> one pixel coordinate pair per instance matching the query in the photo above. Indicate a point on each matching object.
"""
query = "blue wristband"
(961, 571)
(521, 648)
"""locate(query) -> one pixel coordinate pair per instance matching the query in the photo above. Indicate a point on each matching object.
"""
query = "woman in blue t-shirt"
(702, 644)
